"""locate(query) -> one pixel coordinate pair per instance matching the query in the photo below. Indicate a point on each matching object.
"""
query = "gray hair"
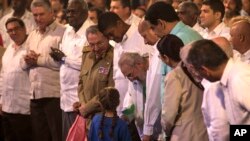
(41, 3)
(130, 59)
(82, 2)
(93, 29)
(191, 7)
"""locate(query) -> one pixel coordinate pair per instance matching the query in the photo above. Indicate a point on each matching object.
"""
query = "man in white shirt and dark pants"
(18, 10)
(73, 41)
(15, 86)
(46, 115)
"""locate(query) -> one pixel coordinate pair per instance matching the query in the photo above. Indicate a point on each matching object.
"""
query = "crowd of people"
(135, 70)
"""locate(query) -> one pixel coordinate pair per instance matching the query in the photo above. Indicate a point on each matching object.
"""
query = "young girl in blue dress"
(108, 126)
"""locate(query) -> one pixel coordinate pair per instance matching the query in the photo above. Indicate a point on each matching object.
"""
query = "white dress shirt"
(153, 93)
(133, 19)
(132, 42)
(44, 77)
(243, 13)
(220, 30)
(15, 84)
(235, 83)
(136, 97)
(198, 28)
(28, 20)
(72, 45)
(214, 112)
(243, 57)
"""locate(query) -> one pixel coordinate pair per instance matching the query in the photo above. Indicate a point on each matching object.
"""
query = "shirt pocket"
(83, 76)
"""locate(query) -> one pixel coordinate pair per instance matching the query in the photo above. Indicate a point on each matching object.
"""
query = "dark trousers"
(68, 118)
(1, 129)
(16, 127)
(46, 119)
(133, 131)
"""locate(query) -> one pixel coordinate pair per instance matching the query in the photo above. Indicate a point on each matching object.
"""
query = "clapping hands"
(56, 54)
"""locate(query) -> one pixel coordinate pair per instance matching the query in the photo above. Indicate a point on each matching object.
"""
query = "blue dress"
(121, 132)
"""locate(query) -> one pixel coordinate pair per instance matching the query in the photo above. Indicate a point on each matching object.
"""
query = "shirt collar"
(85, 25)
(51, 27)
(246, 55)
(217, 30)
(17, 47)
(177, 28)
(226, 72)
(129, 33)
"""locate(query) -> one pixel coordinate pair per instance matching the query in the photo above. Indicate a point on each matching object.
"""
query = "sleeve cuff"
(148, 130)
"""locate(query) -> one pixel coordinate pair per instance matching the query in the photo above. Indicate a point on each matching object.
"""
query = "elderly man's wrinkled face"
(134, 73)
(98, 43)
(75, 14)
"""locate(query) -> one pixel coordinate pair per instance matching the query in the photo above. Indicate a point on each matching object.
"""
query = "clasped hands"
(78, 107)
(56, 54)
(31, 58)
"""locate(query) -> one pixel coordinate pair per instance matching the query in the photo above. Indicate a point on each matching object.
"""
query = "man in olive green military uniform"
(96, 72)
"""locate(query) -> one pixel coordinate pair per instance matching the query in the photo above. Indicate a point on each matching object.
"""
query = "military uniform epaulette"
(86, 49)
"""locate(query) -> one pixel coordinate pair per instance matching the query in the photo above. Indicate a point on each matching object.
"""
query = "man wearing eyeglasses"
(70, 57)
(96, 72)
(136, 69)
(15, 85)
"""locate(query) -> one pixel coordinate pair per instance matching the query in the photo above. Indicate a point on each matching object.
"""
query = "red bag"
(77, 132)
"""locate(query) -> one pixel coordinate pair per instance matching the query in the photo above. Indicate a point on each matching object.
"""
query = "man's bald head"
(147, 33)
(224, 44)
(240, 36)
(143, 26)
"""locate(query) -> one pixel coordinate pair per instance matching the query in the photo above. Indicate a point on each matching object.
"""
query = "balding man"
(154, 77)
(213, 108)
(224, 44)
(147, 33)
(240, 39)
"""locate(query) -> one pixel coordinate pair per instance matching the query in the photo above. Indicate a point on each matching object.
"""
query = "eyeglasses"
(15, 29)
(131, 74)
(98, 44)
(181, 12)
(68, 11)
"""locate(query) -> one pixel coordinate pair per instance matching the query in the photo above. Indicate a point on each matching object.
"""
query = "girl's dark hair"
(109, 98)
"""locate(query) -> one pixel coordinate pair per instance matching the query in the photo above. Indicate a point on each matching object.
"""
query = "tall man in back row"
(70, 57)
